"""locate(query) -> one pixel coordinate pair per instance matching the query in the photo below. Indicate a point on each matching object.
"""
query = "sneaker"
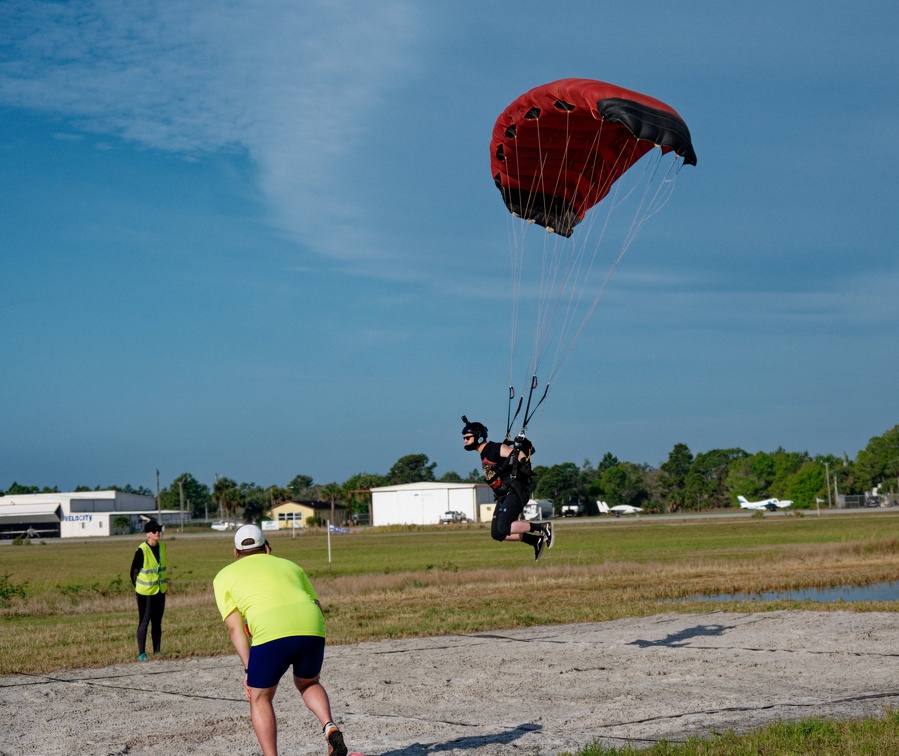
(550, 537)
(538, 547)
(143, 657)
(336, 746)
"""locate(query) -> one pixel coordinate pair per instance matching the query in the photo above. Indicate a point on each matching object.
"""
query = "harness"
(504, 474)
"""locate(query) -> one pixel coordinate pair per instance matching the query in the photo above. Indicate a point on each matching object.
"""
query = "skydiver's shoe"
(334, 736)
(550, 536)
(143, 657)
(539, 546)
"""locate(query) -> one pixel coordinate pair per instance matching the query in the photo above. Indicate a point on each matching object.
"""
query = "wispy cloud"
(289, 84)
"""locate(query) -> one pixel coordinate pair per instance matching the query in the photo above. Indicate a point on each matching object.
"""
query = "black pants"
(509, 506)
(149, 611)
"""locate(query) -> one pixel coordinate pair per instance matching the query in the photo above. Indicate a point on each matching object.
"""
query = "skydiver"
(507, 470)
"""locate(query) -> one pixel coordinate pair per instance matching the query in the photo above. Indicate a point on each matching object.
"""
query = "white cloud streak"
(288, 83)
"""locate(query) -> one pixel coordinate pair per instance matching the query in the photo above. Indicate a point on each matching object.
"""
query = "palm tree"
(331, 492)
(235, 500)
(226, 494)
(121, 523)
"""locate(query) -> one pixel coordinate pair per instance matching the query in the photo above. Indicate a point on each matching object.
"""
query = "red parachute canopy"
(557, 150)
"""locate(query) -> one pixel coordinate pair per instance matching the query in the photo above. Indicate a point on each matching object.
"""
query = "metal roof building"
(73, 515)
(425, 503)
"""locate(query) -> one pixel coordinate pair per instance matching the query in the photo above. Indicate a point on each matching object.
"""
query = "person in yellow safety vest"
(150, 581)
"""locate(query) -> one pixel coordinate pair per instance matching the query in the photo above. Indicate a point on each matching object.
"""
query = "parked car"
(223, 525)
(449, 517)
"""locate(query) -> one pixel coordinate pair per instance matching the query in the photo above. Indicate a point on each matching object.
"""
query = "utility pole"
(827, 475)
(158, 505)
(181, 495)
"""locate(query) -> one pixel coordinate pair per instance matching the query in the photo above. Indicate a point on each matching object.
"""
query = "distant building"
(426, 503)
(486, 511)
(295, 514)
(77, 515)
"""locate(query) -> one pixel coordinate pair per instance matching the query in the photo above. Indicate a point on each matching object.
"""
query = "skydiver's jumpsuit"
(511, 494)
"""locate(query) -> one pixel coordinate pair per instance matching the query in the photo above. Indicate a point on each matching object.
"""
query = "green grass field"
(873, 736)
(60, 598)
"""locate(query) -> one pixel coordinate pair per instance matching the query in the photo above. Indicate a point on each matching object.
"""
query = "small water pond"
(877, 592)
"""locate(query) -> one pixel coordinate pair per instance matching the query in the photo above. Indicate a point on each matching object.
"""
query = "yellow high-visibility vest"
(152, 578)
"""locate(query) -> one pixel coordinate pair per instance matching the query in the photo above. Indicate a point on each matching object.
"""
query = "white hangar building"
(425, 503)
(73, 515)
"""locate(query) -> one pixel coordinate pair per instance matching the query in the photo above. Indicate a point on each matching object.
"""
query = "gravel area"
(541, 690)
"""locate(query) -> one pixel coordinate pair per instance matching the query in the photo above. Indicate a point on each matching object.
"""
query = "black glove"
(522, 444)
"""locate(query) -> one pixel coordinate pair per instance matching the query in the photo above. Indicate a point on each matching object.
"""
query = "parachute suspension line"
(548, 276)
(613, 204)
(565, 269)
(566, 272)
(547, 268)
(554, 274)
(663, 191)
(550, 267)
(518, 233)
(644, 210)
(580, 266)
(516, 230)
(517, 266)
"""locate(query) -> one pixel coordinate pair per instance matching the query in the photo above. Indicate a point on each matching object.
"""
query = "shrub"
(10, 590)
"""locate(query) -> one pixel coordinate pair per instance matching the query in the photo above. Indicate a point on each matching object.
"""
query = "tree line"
(684, 482)
(714, 479)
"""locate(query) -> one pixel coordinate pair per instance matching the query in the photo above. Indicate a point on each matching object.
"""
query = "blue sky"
(262, 239)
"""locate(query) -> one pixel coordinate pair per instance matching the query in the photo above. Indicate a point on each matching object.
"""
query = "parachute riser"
(528, 414)
(509, 418)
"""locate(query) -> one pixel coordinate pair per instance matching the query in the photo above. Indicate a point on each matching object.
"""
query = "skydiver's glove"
(522, 444)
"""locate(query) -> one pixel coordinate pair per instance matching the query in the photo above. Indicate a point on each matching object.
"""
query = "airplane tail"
(742, 499)
(603, 507)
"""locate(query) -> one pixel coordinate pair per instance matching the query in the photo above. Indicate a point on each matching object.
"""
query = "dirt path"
(541, 690)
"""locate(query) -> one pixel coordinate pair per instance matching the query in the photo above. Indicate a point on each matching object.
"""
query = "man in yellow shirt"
(274, 620)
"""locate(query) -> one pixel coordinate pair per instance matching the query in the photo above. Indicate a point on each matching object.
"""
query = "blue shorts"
(269, 661)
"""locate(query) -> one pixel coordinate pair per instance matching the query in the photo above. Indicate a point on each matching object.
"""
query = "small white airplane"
(772, 505)
(618, 510)
(32, 533)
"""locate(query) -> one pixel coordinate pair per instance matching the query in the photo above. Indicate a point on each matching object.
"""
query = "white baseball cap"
(246, 534)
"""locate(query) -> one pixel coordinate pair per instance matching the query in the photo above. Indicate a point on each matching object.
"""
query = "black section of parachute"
(553, 213)
(651, 124)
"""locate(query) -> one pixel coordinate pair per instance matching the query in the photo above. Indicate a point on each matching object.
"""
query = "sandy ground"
(541, 690)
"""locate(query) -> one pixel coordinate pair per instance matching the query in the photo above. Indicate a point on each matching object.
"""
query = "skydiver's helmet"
(478, 430)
